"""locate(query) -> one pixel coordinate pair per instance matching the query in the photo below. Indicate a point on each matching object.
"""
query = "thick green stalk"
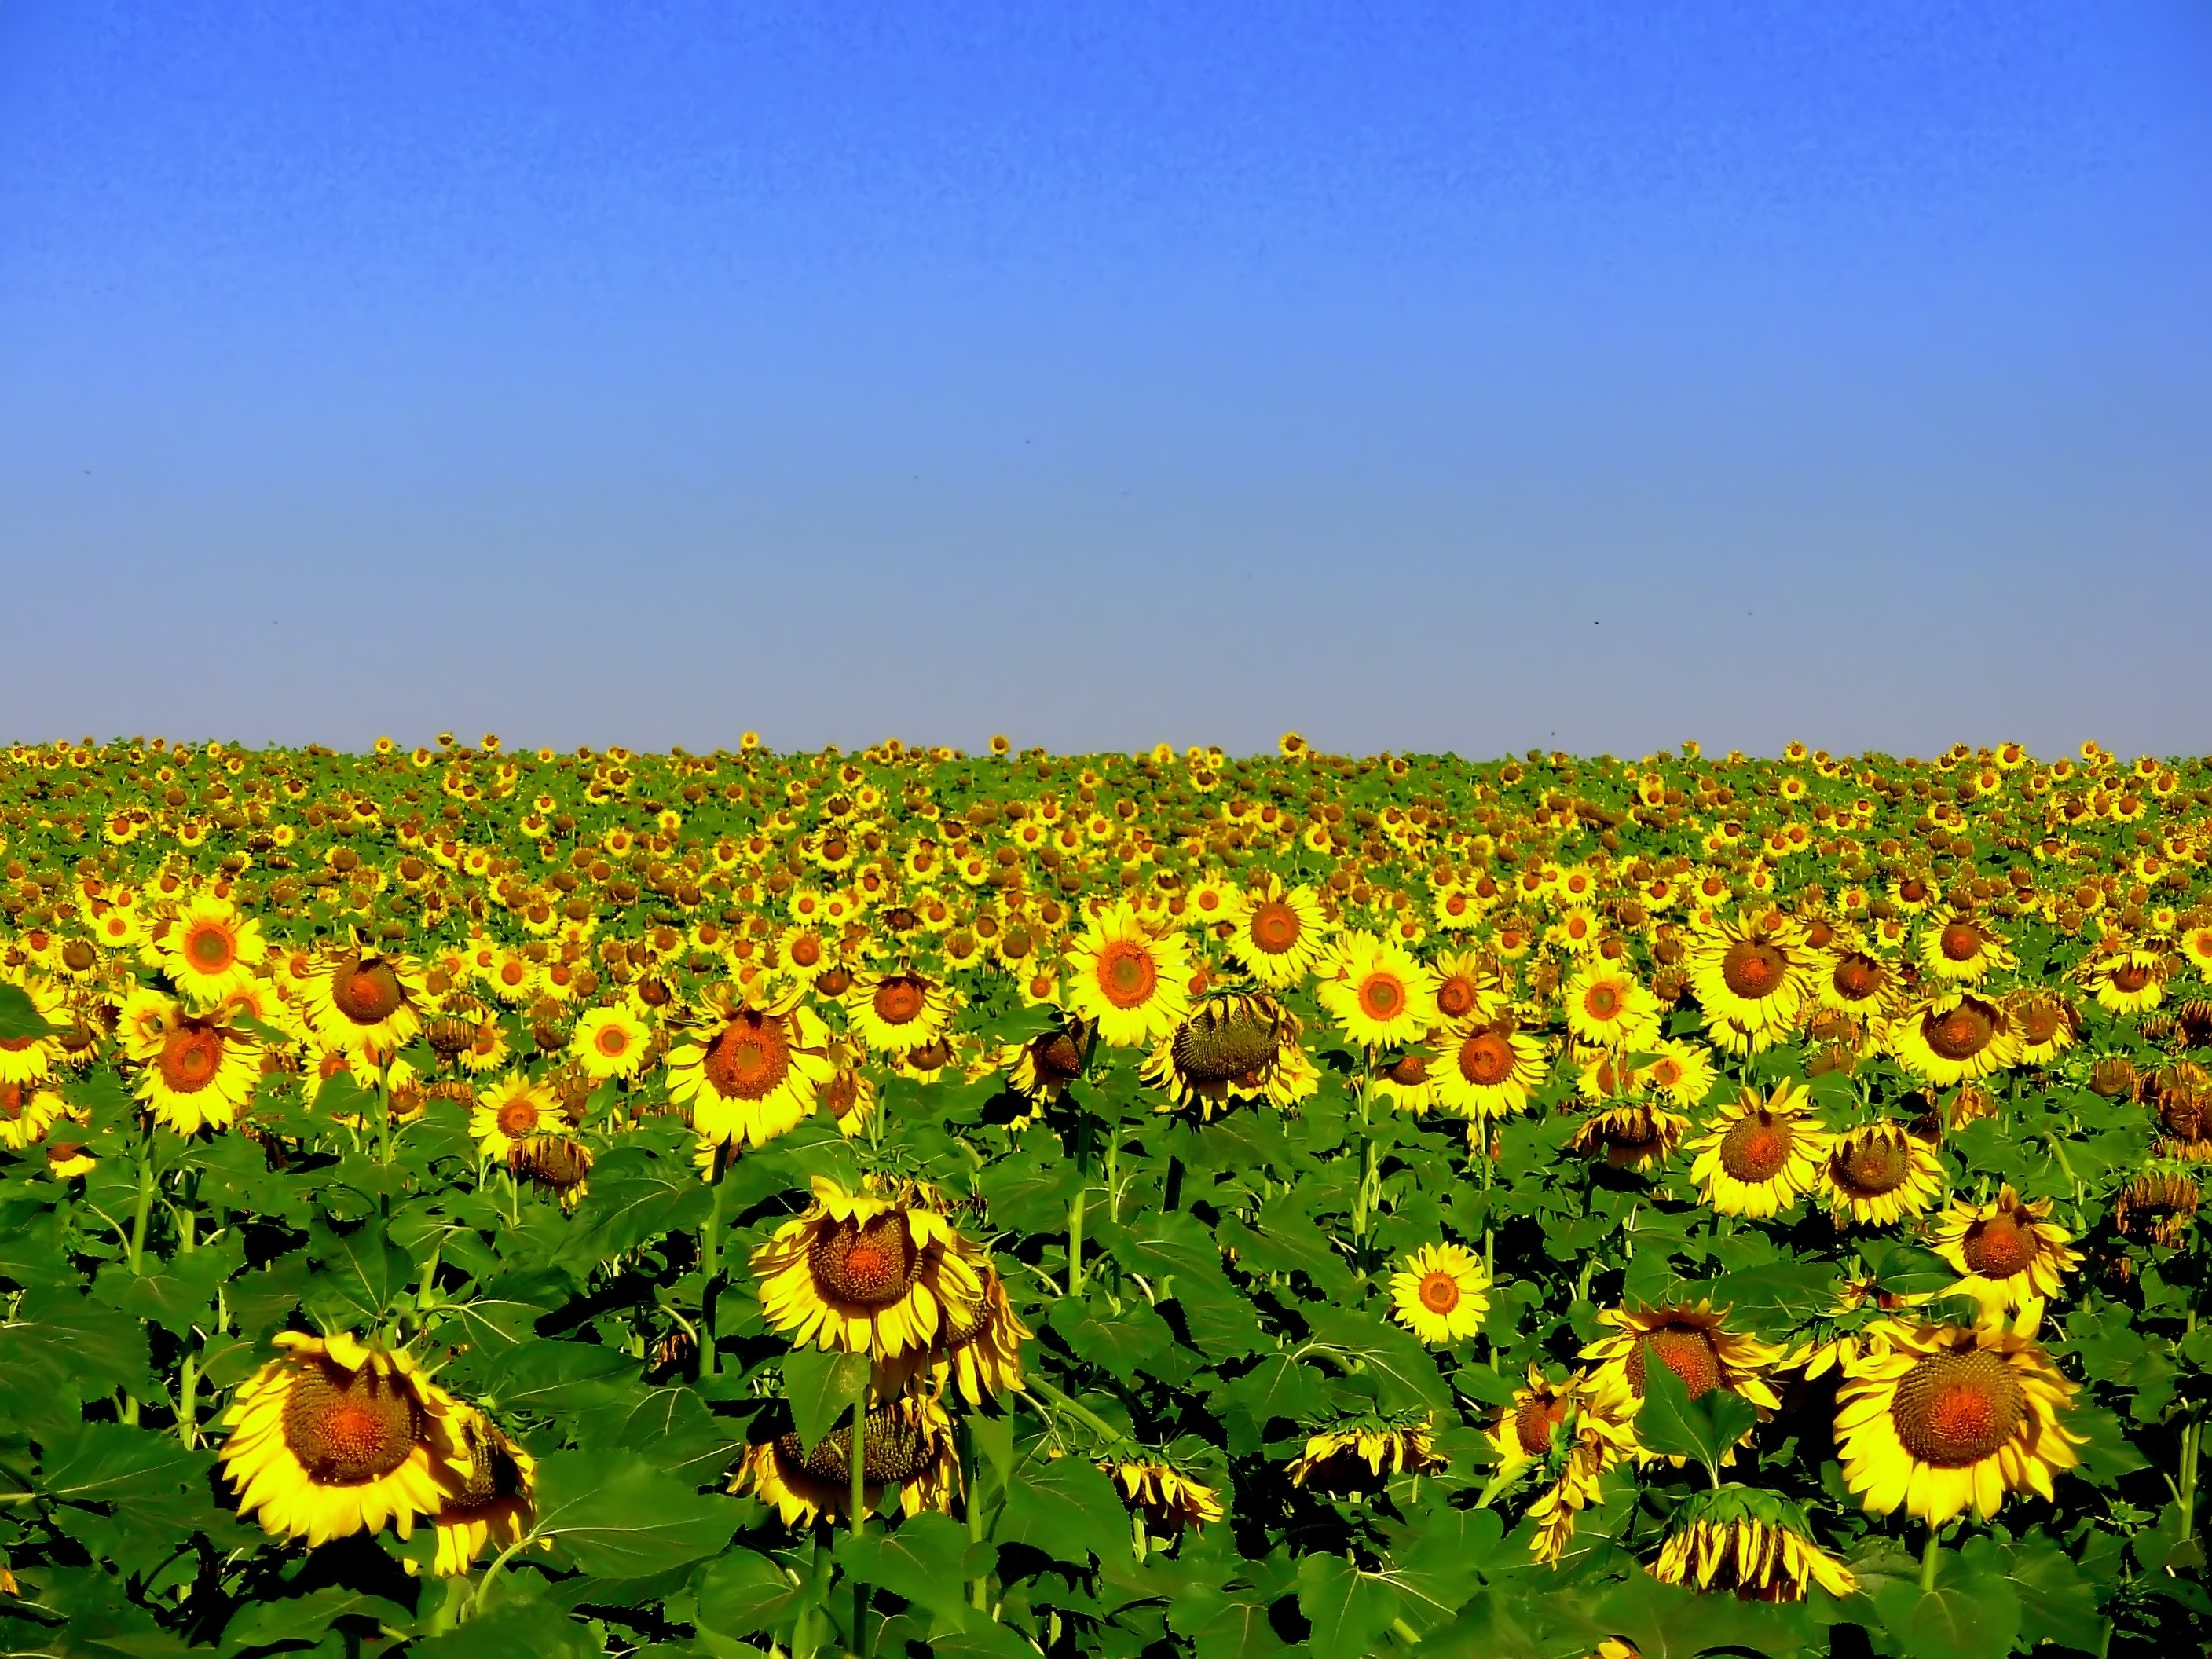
(1928, 1557)
(710, 1293)
(858, 1468)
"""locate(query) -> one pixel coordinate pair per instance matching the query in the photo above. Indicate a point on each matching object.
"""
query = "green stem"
(857, 1464)
(1928, 1556)
(710, 1292)
(1036, 1387)
(1075, 1242)
(145, 1203)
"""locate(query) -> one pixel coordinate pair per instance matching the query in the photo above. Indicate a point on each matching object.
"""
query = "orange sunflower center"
(899, 1000)
(613, 1040)
(1485, 1059)
(367, 993)
(1382, 996)
(1956, 1409)
(2000, 1246)
(1913, 890)
(1686, 1349)
(1960, 942)
(871, 1264)
(1753, 968)
(1756, 1148)
(1275, 926)
(1602, 1001)
(1870, 1167)
(1456, 996)
(518, 1117)
(191, 1057)
(806, 950)
(11, 1102)
(748, 1058)
(1440, 1292)
(2039, 1021)
(1126, 974)
(1961, 1033)
(348, 1427)
(1857, 977)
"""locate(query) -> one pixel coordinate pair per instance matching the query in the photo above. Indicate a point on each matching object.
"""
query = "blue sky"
(1421, 377)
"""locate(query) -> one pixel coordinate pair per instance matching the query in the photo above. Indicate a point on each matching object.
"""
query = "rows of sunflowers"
(463, 1202)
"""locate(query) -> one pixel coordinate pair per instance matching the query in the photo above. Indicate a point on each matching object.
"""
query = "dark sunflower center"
(77, 956)
(898, 1001)
(365, 992)
(1913, 890)
(1687, 1351)
(1954, 1409)
(870, 1264)
(748, 1058)
(806, 950)
(1223, 1042)
(554, 1162)
(1753, 969)
(1057, 1058)
(895, 1451)
(1486, 1059)
(1533, 1423)
(2039, 1022)
(1960, 1034)
(1275, 926)
(493, 1477)
(1873, 1166)
(1856, 977)
(11, 1102)
(2001, 1246)
(1127, 974)
(1410, 1070)
(348, 1427)
(1756, 1148)
(1960, 942)
(2130, 977)
(1454, 997)
(190, 1056)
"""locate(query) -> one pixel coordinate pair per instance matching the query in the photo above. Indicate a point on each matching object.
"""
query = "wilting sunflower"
(895, 1012)
(1956, 947)
(1693, 1341)
(1280, 933)
(2046, 1024)
(1440, 1293)
(1756, 1543)
(1860, 983)
(1607, 1008)
(1168, 1499)
(2125, 981)
(1132, 986)
(333, 1438)
(1488, 1070)
(907, 1443)
(556, 1164)
(1751, 978)
(2157, 1208)
(1939, 1418)
(1955, 1039)
(26, 1112)
(1760, 1154)
(493, 1503)
(1635, 1137)
(198, 1071)
(850, 1099)
(866, 1274)
(2007, 1253)
(1235, 1046)
(609, 1043)
(1366, 1452)
(1379, 995)
(209, 950)
(360, 1000)
(1041, 1068)
(1881, 1174)
(512, 1110)
(1577, 1434)
(758, 1076)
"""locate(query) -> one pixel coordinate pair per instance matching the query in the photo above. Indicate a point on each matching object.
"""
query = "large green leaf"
(615, 1516)
(1348, 1609)
(820, 1386)
(115, 1463)
(20, 1017)
(744, 1593)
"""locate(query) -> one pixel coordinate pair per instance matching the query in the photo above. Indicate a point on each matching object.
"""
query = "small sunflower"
(1956, 947)
(26, 1112)
(2007, 1253)
(1858, 982)
(1168, 1499)
(492, 1504)
(1132, 985)
(758, 1076)
(333, 1438)
(866, 1274)
(1635, 1137)
(1607, 1008)
(1469, 987)
(1440, 1293)
(1761, 1153)
(1939, 1419)
(1041, 1068)
(210, 952)
(1681, 1072)
(1881, 1174)
(895, 1012)
(1755, 1543)
(609, 1043)
(1487, 1070)
(1379, 995)
(2046, 1023)
(907, 1444)
(1955, 1039)
(1280, 933)
(515, 1109)
(2125, 981)
(1577, 1433)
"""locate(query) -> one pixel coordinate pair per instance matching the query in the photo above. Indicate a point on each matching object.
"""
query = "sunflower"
(1280, 934)
(1693, 1341)
(1132, 985)
(1756, 1543)
(333, 1438)
(1607, 1008)
(210, 951)
(1880, 1174)
(865, 1274)
(1751, 978)
(849, 1095)
(1636, 1137)
(2154, 1209)
(492, 1504)
(609, 1043)
(26, 1112)
(1939, 1418)
(2125, 981)
(1440, 1293)
(1760, 1154)
(1488, 1070)
(1577, 1434)
(32, 1059)
(2007, 1253)
(895, 1013)
(198, 1071)
(362, 1001)
(1366, 1451)
(1681, 1072)
(2046, 1024)
(513, 1110)
(1168, 1499)
(1859, 982)
(907, 1444)
(1468, 987)
(1954, 1038)
(1379, 995)
(1526, 1431)
(758, 1075)
(1406, 1082)
(1955, 946)
(556, 1164)
(1234, 1046)
(1041, 1068)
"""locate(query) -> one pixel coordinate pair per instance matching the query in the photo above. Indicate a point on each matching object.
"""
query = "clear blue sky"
(1421, 377)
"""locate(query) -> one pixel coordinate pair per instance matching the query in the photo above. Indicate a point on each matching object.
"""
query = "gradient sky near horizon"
(1421, 377)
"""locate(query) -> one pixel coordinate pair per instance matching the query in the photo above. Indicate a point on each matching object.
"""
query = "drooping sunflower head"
(1880, 1174)
(2157, 1208)
(494, 1504)
(1234, 1046)
(907, 1443)
(1044, 1065)
(1755, 1543)
(1363, 1454)
(2007, 1253)
(1692, 1340)
(555, 1163)
(1633, 1137)
(1168, 1499)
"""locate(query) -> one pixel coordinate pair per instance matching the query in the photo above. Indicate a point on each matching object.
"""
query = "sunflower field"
(464, 1203)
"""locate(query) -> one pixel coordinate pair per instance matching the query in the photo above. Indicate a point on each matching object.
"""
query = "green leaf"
(299, 1620)
(114, 1463)
(20, 1017)
(1973, 1615)
(1224, 1624)
(1404, 1371)
(1704, 1429)
(2057, 1601)
(617, 1516)
(744, 1593)
(1280, 1386)
(554, 1378)
(921, 1560)
(515, 1629)
(1348, 1609)
(1065, 1507)
(820, 1387)
(361, 1271)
